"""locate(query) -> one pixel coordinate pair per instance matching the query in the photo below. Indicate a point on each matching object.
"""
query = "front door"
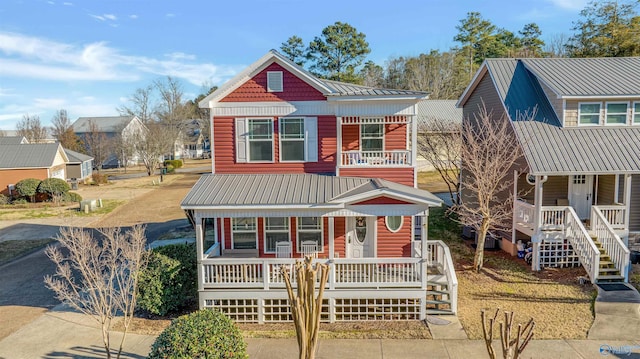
(360, 234)
(581, 194)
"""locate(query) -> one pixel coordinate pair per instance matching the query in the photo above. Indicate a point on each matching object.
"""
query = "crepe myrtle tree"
(490, 152)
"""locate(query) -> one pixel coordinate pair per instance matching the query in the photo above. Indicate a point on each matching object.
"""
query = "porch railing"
(611, 242)
(614, 214)
(552, 218)
(443, 257)
(392, 158)
(582, 243)
(523, 212)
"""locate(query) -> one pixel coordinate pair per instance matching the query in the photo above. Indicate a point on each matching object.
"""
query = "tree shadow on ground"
(94, 351)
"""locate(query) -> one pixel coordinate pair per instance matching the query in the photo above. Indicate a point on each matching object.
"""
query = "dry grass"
(10, 250)
(432, 182)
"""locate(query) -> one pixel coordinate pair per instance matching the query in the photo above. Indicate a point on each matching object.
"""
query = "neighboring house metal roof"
(225, 190)
(445, 110)
(103, 124)
(548, 147)
(347, 89)
(12, 140)
(77, 157)
(577, 77)
(28, 155)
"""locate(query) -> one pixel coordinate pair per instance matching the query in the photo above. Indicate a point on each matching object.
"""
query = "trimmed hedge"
(174, 163)
(169, 283)
(28, 188)
(72, 197)
(202, 334)
(53, 186)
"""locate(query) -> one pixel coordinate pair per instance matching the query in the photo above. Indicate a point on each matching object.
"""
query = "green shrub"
(72, 197)
(174, 163)
(169, 282)
(170, 169)
(28, 188)
(19, 201)
(53, 187)
(202, 334)
(4, 199)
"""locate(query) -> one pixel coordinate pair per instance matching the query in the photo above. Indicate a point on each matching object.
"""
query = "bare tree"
(556, 46)
(439, 142)
(511, 348)
(306, 307)
(63, 132)
(97, 145)
(141, 105)
(31, 128)
(490, 152)
(152, 144)
(99, 277)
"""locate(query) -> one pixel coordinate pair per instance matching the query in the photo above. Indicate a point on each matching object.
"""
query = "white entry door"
(360, 235)
(581, 194)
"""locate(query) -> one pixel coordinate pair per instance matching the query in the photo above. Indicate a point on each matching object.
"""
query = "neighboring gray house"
(447, 117)
(578, 198)
(79, 166)
(112, 127)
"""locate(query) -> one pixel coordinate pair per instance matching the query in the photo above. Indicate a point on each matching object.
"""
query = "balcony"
(393, 158)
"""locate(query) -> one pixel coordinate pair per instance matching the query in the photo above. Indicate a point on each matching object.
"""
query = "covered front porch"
(573, 220)
(363, 229)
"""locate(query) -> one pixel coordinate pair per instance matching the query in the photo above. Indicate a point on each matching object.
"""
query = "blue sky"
(88, 56)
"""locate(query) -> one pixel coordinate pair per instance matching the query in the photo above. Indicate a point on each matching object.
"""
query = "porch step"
(610, 278)
(438, 311)
(606, 264)
(608, 270)
(437, 302)
(437, 279)
(437, 292)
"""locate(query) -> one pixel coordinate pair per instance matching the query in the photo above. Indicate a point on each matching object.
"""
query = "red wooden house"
(305, 166)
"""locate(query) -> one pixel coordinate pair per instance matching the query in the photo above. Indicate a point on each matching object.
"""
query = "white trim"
(564, 112)
(298, 230)
(303, 140)
(382, 136)
(606, 113)
(593, 97)
(255, 232)
(272, 140)
(634, 113)
(599, 114)
(265, 231)
(473, 84)
(275, 81)
(386, 223)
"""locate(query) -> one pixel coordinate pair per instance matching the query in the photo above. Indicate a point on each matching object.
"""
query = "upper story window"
(372, 137)
(292, 146)
(260, 140)
(636, 113)
(616, 113)
(274, 81)
(589, 113)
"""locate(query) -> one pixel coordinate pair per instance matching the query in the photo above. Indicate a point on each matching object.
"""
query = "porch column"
(332, 267)
(627, 201)
(199, 250)
(514, 220)
(423, 246)
(414, 146)
(537, 221)
(338, 145)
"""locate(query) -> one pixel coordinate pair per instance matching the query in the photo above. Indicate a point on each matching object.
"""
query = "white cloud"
(5, 92)
(104, 17)
(110, 17)
(133, 17)
(170, 15)
(569, 4)
(174, 56)
(67, 3)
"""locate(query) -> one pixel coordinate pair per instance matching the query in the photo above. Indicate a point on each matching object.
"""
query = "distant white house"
(441, 110)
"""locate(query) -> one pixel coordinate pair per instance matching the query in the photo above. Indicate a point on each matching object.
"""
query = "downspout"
(537, 220)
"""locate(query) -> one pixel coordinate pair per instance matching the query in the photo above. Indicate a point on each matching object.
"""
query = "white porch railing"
(582, 243)
(392, 158)
(440, 254)
(524, 214)
(552, 218)
(610, 241)
(614, 214)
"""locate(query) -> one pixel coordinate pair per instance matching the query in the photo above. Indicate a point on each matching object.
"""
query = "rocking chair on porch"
(309, 248)
(283, 249)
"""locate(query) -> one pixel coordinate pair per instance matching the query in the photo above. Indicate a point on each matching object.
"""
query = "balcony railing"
(393, 158)
(615, 215)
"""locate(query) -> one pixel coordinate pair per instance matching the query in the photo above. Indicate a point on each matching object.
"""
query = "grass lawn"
(10, 250)
(432, 182)
(47, 209)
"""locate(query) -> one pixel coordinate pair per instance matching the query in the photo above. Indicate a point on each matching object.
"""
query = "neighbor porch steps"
(438, 299)
(607, 272)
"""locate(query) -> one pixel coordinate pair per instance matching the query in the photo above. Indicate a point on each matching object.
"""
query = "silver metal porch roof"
(241, 190)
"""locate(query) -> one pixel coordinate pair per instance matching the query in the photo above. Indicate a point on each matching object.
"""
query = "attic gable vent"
(274, 81)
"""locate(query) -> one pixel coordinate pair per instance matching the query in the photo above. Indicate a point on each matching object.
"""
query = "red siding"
(227, 233)
(382, 200)
(350, 137)
(225, 143)
(255, 89)
(399, 175)
(392, 244)
(395, 137)
(340, 230)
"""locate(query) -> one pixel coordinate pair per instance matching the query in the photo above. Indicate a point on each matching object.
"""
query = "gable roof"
(29, 155)
(103, 124)
(549, 148)
(290, 190)
(76, 157)
(12, 140)
(334, 89)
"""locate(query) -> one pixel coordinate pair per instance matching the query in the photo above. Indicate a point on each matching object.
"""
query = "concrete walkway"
(617, 312)
(60, 333)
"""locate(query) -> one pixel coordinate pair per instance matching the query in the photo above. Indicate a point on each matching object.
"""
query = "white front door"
(581, 194)
(360, 234)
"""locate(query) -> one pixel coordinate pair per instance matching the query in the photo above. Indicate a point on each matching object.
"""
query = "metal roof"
(28, 155)
(228, 190)
(347, 89)
(603, 76)
(77, 157)
(445, 110)
(103, 124)
(12, 140)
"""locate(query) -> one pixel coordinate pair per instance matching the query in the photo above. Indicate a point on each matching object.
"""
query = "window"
(244, 233)
(616, 113)
(636, 113)
(260, 140)
(274, 81)
(589, 114)
(579, 179)
(394, 223)
(276, 229)
(372, 137)
(292, 146)
(310, 229)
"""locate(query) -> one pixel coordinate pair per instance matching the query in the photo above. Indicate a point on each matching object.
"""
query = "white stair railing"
(439, 253)
(611, 242)
(614, 214)
(582, 243)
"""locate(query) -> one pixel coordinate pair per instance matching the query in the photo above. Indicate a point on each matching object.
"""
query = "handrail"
(611, 242)
(614, 214)
(524, 213)
(450, 273)
(582, 244)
